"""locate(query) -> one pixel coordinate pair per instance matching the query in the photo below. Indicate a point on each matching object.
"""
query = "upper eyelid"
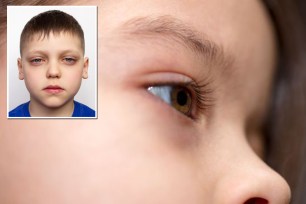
(70, 57)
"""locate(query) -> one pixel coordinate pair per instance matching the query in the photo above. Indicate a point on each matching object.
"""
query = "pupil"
(182, 98)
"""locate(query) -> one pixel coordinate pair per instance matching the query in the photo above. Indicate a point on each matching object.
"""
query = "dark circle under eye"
(181, 100)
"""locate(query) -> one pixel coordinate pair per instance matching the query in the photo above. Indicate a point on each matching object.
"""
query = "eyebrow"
(61, 52)
(172, 29)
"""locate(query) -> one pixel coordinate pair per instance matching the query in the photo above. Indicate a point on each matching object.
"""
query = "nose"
(246, 179)
(53, 70)
(257, 186)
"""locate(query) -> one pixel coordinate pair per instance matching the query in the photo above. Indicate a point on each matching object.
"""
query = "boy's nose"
(256, 186)
(54, 70)
(248, 180)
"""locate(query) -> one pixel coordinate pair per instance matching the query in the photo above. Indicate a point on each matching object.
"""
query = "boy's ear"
(20, 69)
(85, 68)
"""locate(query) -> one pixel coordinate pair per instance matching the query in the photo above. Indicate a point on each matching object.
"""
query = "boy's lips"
(54, 89)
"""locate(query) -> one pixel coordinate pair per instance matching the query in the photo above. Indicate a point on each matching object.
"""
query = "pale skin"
(53, 60)
(140, 149)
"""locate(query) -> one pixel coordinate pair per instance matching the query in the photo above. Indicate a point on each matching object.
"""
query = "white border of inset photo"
(17, 17)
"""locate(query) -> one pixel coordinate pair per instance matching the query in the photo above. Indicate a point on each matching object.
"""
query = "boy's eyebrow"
(170, 28)
(47, 51)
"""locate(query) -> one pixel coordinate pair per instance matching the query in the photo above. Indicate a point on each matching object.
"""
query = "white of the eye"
(163, 92)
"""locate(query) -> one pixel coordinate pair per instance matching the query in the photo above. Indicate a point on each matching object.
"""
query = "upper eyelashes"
(204, 94)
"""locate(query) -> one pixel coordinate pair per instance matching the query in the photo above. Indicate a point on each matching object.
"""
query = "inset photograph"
(52, 61)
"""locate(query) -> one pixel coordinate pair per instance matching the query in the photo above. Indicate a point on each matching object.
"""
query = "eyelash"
(202, 93)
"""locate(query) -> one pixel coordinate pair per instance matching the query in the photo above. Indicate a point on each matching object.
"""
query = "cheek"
(147, 149)
(34, 79)
(72, 77)
(110, 163)
(142, 153)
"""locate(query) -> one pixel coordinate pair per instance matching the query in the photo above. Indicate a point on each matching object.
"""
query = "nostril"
(256, 201)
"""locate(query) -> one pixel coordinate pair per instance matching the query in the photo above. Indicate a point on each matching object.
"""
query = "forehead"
(53, 41)
(216, 17)
(241, 28)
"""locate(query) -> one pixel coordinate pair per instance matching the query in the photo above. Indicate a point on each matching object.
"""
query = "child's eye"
(188, 99)
(176, 96)
(69, 60)
(36, 61)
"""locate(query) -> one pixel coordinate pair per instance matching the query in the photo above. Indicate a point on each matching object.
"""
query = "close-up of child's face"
(53, 67)
(184, 89)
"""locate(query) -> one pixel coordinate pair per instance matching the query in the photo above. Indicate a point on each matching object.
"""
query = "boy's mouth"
(54, 89)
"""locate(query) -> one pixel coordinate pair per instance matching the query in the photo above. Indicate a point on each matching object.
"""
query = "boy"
(52, 64)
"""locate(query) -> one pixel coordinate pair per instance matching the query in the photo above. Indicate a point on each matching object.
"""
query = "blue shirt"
(80, 110)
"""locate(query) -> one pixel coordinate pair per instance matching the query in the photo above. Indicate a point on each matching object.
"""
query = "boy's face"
(52, 68)
(141, 149)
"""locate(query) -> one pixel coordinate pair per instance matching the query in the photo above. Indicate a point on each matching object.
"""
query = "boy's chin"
(56, 103)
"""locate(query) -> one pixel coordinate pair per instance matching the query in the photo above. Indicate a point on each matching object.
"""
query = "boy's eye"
(179, 97)
(69, 60)
(36, 61)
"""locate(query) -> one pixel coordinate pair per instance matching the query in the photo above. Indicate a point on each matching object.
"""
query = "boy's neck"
(39, 110)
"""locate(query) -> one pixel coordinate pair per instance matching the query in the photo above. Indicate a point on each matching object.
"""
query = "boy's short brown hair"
(51, 21)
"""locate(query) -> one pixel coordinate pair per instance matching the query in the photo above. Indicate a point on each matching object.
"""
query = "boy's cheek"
(111, 159)
(157, 123)
(33, 82)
